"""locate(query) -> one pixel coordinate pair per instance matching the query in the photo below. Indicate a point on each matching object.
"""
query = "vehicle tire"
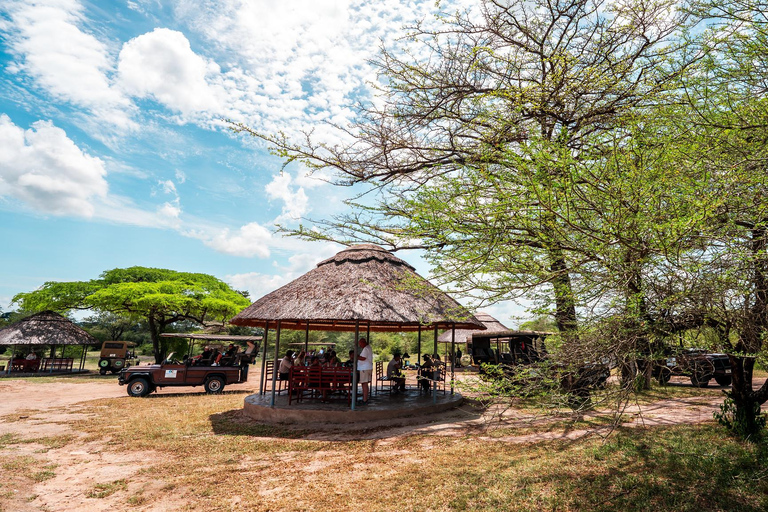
(118, 363)
(102, 371)
(138, 387)
(664, 375)
(723, 380)
(700, 381)
(214, 385)
(104, 363)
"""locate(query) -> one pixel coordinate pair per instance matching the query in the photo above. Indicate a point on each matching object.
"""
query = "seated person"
(331, 361)
(229, 355)
(31, 356)
(351, 362)
(426, 373)
(286, 364)
(204, 358)
(395, 374)
(301, 359)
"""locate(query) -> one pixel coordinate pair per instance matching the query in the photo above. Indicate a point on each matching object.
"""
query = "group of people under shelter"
(428, 371)
(329, 359)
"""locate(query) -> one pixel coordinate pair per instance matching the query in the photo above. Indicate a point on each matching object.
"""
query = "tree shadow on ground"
(692, 468)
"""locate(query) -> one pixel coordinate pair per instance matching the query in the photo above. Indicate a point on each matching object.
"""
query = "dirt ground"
(33, 409)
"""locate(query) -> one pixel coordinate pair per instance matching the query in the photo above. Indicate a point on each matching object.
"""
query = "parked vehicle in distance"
(525, 352)
(143, 380)
(699, 365)
(116, 355)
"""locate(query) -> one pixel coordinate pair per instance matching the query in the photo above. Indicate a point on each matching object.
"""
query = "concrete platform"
(382, 406)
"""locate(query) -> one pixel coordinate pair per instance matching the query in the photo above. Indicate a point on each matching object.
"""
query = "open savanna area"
(82, 444)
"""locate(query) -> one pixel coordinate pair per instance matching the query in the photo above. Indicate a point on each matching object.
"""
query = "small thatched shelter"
(45, 328)
(362, 287)
(465, 335)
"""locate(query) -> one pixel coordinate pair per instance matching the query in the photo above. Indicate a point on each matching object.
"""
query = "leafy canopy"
(142, 292)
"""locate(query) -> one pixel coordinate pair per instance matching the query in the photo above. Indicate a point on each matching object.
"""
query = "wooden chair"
(280, 385)
(298, 383)
(381, 378)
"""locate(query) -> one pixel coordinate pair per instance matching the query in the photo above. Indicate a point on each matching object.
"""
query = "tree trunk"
(565, 305)
(154, 331)
(746, 419)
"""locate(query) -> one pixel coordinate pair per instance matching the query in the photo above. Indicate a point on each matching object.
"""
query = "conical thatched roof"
(46, 328)
(463, 335)
(364, 283)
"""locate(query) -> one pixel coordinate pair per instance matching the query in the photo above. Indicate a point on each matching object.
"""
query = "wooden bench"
(25, 365)
(57, 364)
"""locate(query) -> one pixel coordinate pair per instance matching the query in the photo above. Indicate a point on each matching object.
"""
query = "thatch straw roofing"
(464, 335)
(46, 328)
(364, 283)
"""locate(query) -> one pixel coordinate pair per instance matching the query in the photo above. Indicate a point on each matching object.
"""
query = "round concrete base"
(382, 406)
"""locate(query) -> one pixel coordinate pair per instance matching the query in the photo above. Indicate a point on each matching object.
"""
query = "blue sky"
(113, 152)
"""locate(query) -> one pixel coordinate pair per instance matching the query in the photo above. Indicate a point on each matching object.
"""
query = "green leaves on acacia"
(159, 296)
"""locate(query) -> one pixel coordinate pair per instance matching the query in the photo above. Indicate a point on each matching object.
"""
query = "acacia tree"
(159, 296)
(728, 132)
(474, 135)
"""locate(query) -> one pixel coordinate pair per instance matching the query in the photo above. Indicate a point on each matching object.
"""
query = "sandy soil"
(33, 410)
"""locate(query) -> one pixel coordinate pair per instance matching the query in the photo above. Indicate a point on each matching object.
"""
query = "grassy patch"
(107, 489)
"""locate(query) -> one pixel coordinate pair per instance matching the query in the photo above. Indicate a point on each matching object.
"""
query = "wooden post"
(419, 347)
(434, 381)
(275, 368)
(354, 364)
(453, 354)
(263, 377)
(306, 340)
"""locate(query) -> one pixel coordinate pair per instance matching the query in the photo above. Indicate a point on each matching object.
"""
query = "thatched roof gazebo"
(362, 287)
(45, 328)
(464, 335)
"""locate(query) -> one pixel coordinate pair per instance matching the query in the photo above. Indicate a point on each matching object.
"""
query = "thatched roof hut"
(46, 328)
(464, 335)
(360, 285)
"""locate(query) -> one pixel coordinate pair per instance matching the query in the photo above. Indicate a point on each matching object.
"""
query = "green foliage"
(745, 422)
(160, 297)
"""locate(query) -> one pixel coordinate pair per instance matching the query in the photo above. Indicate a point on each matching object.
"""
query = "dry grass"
(200, 449)
(210, 459)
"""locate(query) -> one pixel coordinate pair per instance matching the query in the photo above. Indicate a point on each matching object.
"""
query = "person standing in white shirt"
(365, 367)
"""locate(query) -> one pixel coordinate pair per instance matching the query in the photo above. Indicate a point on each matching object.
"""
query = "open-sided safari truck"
(213, 369)
(517, 350)
(116, 355)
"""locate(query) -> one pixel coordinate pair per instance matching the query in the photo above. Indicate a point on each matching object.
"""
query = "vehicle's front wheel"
(214, 385)
(102, 371)
(138, 387)
(723, 380)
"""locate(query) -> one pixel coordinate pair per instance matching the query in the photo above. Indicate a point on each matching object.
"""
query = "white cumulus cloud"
(71, 64)
(250, 240)
(161, 64)
(43, 168)
(295, 201)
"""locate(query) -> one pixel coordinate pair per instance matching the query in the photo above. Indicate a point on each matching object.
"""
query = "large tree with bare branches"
(482, 124)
